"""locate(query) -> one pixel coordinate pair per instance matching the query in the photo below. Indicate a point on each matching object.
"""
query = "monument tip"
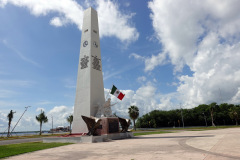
(91, 8)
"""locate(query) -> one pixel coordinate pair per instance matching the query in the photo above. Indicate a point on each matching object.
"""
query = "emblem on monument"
(85, 43)
(96, 63)
(84, 62)
(95, 44)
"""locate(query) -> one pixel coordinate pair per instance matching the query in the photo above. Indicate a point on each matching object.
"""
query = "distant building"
(60, 129)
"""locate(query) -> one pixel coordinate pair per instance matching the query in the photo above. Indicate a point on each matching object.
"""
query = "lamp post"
(52, 124)
(205, 119)
(19, 119)
(182, 116)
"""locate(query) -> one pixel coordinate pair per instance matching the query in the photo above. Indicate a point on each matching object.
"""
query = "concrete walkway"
(221, 144)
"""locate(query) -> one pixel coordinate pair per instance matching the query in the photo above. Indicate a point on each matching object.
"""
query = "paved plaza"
(221, 144)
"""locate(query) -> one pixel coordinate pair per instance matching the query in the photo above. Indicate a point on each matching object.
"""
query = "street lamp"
(182, 116)
(20, 118)
(52, 124)
(205, 119)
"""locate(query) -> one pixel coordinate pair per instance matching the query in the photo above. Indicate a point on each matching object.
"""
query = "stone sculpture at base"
(125, 123)
(105, 109)
(101, 126)
(93, 124)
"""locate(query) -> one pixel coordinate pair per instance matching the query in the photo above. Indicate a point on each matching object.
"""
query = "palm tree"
(10, 117)
(70, 120)
(41, 118)
(211, 108)
(133, 112)
(233, 113)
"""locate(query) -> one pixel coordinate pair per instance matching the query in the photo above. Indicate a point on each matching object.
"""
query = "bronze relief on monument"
(96, 63)
(84, 62)
(113, 126)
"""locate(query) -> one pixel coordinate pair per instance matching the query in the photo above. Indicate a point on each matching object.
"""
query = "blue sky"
(159, 53)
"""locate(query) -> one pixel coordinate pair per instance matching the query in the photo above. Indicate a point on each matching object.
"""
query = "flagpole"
(108, 93)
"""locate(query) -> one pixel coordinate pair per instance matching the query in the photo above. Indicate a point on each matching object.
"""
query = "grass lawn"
(15, 149)
(171, 130)
(30, 136)
(188, 128)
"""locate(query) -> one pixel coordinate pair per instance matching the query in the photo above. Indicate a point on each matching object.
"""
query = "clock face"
(85, 43)
(95, 44)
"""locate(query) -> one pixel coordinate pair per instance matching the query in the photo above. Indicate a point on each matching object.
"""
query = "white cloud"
(236, 98)
(147, 91)
(151, 63)
(112, 22)
(204, 36)
(67, 9)
(3, 121)
(57, 21)
(60, 114)
(136, 56)
(146, 98)
(26, 123)
(29, 123)
(141, 79)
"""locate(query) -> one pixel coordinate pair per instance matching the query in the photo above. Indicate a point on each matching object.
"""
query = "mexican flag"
(117, 93)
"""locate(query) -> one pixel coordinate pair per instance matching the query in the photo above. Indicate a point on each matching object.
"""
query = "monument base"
(108, 125)
(89, 139)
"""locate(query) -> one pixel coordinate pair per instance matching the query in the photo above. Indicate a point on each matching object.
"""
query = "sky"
(162, 54)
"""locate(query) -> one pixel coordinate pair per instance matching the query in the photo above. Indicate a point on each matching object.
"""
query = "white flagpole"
(108, 94)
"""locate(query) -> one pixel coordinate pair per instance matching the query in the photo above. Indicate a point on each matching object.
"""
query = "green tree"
(70, 120)
(223, 115)
(133, 112)
(41, 118)
(10, 117)
(234, 113)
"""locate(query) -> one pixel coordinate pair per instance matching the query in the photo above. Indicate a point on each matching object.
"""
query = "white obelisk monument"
(89, 89)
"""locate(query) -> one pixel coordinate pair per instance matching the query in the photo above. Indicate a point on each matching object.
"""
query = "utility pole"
(182, 115)
(19, 119)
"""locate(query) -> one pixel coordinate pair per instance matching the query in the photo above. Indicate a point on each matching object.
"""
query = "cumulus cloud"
(205, 37)
(151, 62)
(146, 98)
(60, 114)
(57, 21)
(154, 61)
(66, 9)
(29, 123)
(26, 123)
(3, 121)
(141, 79)
(71, 12)
(114, 23)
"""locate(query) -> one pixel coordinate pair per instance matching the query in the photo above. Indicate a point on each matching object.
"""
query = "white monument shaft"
(89, 89)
